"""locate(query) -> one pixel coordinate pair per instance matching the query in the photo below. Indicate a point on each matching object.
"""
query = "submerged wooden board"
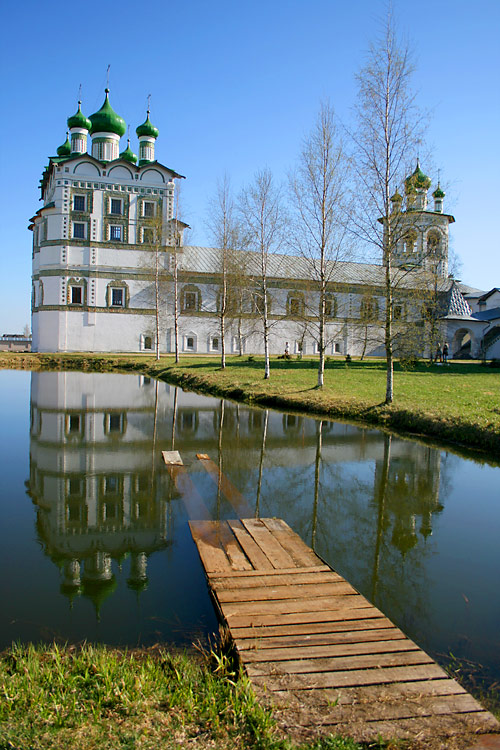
(323, 653)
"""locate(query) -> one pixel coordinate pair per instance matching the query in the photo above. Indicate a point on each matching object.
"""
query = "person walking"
(439, 354)
(445, 352)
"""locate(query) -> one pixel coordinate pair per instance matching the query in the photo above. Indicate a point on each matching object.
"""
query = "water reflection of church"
(102, 493)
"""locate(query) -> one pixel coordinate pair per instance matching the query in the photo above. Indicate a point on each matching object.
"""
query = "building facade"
(107, 237)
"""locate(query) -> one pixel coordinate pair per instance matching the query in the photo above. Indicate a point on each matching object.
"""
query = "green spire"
(147, 128)
(128, 154)
(106, 120)
(65, 149)
(78, 120)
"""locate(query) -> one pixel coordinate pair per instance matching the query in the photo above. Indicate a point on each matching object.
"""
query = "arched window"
(433, 242)
(410, 241)
(190, 298)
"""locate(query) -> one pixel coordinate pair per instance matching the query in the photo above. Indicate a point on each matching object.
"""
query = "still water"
(94, 537)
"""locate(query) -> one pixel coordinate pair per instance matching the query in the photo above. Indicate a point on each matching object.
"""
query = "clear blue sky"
(235, 86)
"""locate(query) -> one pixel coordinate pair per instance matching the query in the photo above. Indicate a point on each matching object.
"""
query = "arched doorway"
(462, 344)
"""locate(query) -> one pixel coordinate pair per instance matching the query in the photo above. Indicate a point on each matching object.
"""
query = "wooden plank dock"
(328, 660)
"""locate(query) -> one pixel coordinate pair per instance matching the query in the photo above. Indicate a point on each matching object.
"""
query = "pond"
(95, 542)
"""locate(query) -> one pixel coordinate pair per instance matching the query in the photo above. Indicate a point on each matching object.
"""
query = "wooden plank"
(239, 561)
(387, 693)
(361, 620)
(321, 639)
(270, 571)
(289, 653)
(289, 606)
(332, 664)
(207, 537)
(172, 458)
(273, 550)
(193, 502)
(321, 615)
(288, 591)
(251, 549)
(303, 555)
(346, 678)
(449, 726)
(382, 710)
(233, 495)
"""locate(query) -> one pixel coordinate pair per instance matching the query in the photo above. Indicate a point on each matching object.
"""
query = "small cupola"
(79, 126)
(106, 130)
(147, 134)
(128, 154)
(65, 148)
(396, 201)
(438, 196)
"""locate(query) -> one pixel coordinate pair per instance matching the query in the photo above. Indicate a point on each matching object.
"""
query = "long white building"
(105, 210)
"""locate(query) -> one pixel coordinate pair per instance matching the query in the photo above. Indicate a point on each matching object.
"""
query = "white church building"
(93, 276)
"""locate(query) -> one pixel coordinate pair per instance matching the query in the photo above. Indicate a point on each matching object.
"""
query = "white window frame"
(146, 215)
(185, 341)
(115, 213)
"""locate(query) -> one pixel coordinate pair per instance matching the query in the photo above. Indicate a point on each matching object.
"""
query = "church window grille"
(148, 209)
(148, 235)
(295, 304)
(117, 297)
(79, 230)
(115, 232)
(78, 203)
(116, 206)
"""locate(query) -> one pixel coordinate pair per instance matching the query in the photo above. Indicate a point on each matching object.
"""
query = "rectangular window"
(78, 203)
(76, 295)
(115, 232)
(116, 206)
(74, 423)
(148, 208)
(79, 230)
(190, 301)
(148, 235)
(117, 297)
(294, 306)
(190, 342)
(215, 343)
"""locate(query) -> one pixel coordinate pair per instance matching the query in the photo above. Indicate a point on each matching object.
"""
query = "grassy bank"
(458, 404)
(93, 697)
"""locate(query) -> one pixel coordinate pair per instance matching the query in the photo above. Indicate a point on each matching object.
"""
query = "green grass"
(457, 404)
(93, 697)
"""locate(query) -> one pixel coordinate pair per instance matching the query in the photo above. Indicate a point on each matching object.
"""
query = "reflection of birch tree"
(261, 462)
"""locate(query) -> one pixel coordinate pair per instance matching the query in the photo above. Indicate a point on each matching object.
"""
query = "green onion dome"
(65, 149)
(396, 198)
(79, 120)
(417, 181)
(438, 193)
(147, 128)
(106, 120)
(128, 154)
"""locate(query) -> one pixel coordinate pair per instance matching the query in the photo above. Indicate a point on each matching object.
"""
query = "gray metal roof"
(196, 259)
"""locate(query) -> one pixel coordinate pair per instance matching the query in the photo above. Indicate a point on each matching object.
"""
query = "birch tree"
(319, 190)
(389, 129)
(262, 214)
(226, 233)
